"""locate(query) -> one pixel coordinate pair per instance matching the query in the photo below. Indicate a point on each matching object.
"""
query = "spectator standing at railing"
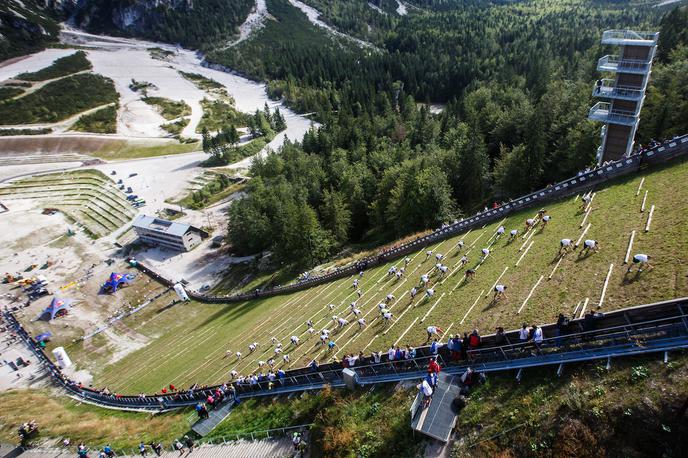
(434, 347)
(142, 449)
(433, 366)
(179, 447)
(524, 334)
(156, 447)
(107, 450)
(537, 339)
(500, 337)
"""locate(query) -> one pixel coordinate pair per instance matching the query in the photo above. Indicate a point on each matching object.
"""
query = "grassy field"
(210, 188)
(61, 417)
(63, 66)
(217, 115)
(208, 85)
(175, 128)
(192, 349)
(59, 100)
(168, 108)
(128, 150)
(103, 121)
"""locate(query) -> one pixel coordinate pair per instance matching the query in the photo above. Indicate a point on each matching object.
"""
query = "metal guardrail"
(609, 89)
(603, 111)
(620, 329)
(613, 63)
(630, 36)
(253, 435)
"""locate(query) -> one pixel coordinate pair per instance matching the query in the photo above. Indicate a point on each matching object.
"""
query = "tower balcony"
(629, 38)
(615, 64)
(608, 90)
(603, 112)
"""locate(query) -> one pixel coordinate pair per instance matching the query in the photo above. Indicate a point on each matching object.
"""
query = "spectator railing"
(661, 153)
(630, 326)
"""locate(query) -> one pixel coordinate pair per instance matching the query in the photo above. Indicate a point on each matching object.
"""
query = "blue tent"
(56, 306)
(116, 280)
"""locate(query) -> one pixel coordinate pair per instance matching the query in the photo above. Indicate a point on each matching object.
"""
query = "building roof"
(162, 225)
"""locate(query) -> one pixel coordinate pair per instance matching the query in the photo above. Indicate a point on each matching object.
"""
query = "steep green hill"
(193, 349)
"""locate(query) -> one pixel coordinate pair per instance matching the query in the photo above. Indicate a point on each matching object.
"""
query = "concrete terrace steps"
(265, 448)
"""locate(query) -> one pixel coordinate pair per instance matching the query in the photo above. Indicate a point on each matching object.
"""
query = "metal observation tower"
(623, 90)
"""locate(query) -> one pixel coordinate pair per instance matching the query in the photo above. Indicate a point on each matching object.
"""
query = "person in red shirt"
(433, 367)
(173, 388)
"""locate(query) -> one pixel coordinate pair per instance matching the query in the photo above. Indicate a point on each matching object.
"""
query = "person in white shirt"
(463, 261)
(285, 358)
(387, 316)
(377, 357)
(433, 331)
(426, 389)
(460, 244)
(238, 355)
(399, 274)
(545, 220)
(278, 351)
(323, 339)
(413, 293)
(390, 353)
(565, 245)
(485, 252)
(585, 200)
(429, 293)
(407, 260)
(355, 283)
(331, 306)
(261, 364)
(524, 334)
(500, 292)
(641, 260)
(353, 305)
(513, 234)
(342, 322)
(233, 374)
(356, 312)
(530, 222)
(424, 279)
(361, 323)
(294, 340)
(273, 339)
(381, 305)
(439, 256)
(500, 231)
(428, 254)
(251, 348)
(590, 246)
(334, 318)
(443, 270)
(228, 353)
(537, 338)
(310, 331)
(389, 298)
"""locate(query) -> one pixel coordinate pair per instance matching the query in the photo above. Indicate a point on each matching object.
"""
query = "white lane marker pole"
(469, 310)
(555, 268)
(524, 253)
(405, 331)
(604, 288)
(649, 219)
(432, 308)
(585, 218)
(640, 186)
(575, 310)
(497, 281)
(630, 247)
(642, 207)
(585, 231)
(585, 305)
(530, 294)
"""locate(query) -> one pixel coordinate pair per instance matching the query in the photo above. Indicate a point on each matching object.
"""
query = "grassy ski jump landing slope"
(197, 343)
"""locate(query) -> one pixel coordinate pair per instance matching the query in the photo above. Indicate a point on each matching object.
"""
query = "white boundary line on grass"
(472, 306)
(530, 294)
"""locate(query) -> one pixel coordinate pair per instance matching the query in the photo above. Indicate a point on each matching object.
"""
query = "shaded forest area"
(516, 79)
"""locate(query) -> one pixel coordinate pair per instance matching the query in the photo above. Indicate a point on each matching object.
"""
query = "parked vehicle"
(113, 173)
(129, 190)
(132, 175)
(132, 197)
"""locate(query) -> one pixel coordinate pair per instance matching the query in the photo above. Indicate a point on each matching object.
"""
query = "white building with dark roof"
(168, 234)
